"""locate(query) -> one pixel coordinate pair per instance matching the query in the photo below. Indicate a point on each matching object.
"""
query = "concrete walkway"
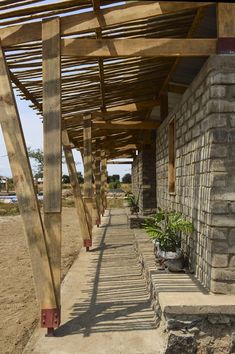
(105, 304)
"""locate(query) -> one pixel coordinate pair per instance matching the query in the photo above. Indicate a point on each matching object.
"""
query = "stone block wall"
(144, 180)
(205, 171)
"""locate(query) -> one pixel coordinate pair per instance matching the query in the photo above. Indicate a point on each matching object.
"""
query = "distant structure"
(3, 184)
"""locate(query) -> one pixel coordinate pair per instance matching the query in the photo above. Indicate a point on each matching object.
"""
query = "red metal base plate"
(87, 243)
(50, 318)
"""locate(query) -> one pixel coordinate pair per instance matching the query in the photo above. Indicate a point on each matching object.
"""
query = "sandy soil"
(18, 306)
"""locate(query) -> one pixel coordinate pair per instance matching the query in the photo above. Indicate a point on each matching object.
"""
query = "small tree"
(65, 179)
(126, 178)
(37, 156)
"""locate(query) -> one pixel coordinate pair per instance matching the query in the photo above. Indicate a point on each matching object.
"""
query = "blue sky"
(32, 127)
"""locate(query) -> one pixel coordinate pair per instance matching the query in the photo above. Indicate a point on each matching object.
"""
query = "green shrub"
(166, 228)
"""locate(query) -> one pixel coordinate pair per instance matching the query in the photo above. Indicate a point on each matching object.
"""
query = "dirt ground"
(18, 306)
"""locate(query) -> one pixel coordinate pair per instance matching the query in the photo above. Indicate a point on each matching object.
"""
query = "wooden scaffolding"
(95, 71)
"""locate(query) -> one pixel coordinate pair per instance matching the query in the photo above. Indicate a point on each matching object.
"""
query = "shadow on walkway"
(116, 298)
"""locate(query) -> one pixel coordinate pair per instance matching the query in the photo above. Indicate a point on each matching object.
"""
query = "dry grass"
(9, 209)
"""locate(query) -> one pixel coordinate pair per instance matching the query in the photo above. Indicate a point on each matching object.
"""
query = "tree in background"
(126, 178)
(37, 156)
(65, 179)
(113, 178)
(114, 182)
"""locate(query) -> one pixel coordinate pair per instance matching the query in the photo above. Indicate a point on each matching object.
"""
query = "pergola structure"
(103, 76)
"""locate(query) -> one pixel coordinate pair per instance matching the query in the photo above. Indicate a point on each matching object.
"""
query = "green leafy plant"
(132, 203)
(166, 228)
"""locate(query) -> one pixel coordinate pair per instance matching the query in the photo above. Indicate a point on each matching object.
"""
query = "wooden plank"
(88, 171)
(24, 186)
(141, 47)
(81, 212)
(226, 20)
(90, 21)
(52, 145)
(126, 125)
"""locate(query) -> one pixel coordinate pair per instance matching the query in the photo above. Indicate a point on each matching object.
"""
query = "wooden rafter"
(90, 21)
(164, 47)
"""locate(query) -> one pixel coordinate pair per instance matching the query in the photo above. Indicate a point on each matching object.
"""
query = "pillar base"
(87, 243)
(50, 319)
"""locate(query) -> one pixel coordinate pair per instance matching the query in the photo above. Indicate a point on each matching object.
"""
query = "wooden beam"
(87, 160)
(52, 144)
(163, 105)
(76, 119)
(126, 125)
(96, 5)
(119, 162)
(24, 186)
(90, 21)
(141, 47)
(177, 88)
(28, 95)
(198, 17)
(226, 20)
(133, 107)
(79, 203)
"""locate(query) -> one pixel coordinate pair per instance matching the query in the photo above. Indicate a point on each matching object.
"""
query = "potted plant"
(133, 204)
(165, 229)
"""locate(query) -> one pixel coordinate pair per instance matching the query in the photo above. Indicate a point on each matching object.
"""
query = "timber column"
(52, 176)
(27, 199)
(98, 183)
(103, 182)
(79, 203)
(88, 186)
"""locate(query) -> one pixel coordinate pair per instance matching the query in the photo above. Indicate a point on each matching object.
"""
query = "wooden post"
(79, 203)
(52, 177)
(103, 182)
(88, 186)
(98, 183)
(226, 28)
(27, 199)
(163, 105)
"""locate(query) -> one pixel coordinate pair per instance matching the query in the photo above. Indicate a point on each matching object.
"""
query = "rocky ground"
(18, 306)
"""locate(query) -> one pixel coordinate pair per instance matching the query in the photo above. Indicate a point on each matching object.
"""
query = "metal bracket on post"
(98, 222)
(87, 243)
(50, 319)
(226, 45)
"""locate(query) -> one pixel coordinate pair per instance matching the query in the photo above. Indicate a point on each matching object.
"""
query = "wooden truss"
(94, 77)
